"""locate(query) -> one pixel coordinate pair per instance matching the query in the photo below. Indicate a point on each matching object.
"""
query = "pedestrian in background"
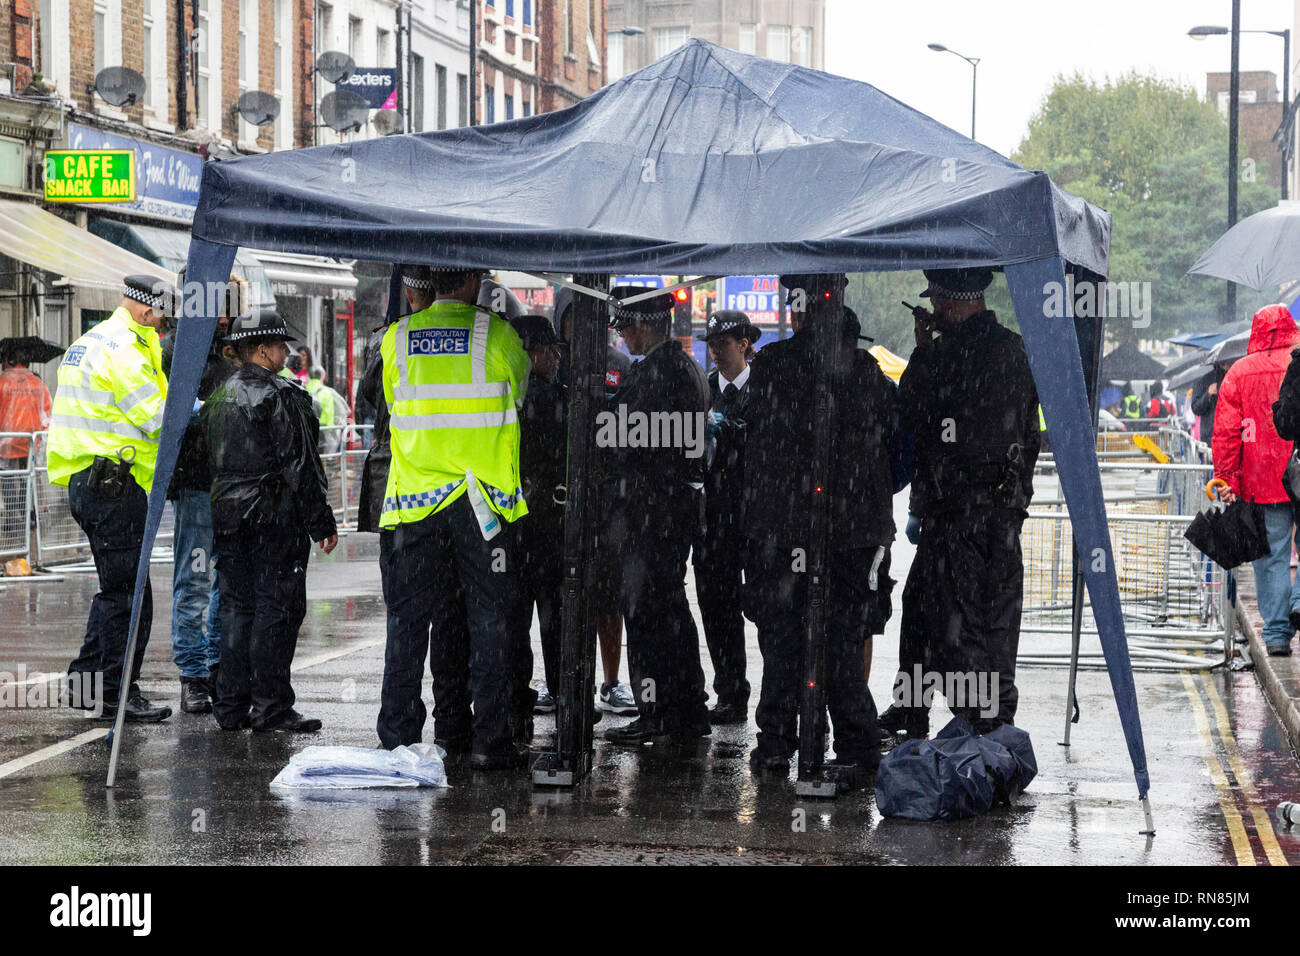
(1251, 455)
(196, 643)
(103, 445)
(269, 503)
(24, 407)
(332, 412)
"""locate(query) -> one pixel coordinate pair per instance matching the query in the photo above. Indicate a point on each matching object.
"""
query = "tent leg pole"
(571, 760)
(815, 778)
(1150, 820)
(123, 692)
(1076, 629)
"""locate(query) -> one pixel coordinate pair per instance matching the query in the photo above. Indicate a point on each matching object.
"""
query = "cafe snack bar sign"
(90, 175)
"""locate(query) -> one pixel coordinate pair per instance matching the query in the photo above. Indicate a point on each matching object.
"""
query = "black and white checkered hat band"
(145, 298)
(939, 292)
(413, 283)
(631, 315)
(257, 333)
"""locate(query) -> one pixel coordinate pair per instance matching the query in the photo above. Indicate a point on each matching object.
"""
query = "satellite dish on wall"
(335, 66)
(388, 122)
(119, 86)
(344, 111)
(258, 108)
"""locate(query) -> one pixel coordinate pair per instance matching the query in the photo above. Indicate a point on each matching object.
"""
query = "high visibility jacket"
(110, 397)
(454, 381)
(317, 390)
(1132, 406)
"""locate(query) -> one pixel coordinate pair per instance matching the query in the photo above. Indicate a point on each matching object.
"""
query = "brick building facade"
(571, 65)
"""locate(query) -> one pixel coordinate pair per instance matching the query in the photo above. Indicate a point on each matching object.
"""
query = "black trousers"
(451, 595)
(263, 584)
(663, 645)
(541, 579)
(778, 595)
(116, 531)
(717, 558)
(961, 614)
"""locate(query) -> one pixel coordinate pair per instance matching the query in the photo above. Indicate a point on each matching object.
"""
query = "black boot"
(138, 711)
(291, 722)
(910, 722)
(195, 696)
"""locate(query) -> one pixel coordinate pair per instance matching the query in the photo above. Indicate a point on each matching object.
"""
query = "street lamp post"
(1200, 33)
(974, 62)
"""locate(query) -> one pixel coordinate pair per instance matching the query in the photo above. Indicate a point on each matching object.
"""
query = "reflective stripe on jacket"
(454, 381)
(110, 396)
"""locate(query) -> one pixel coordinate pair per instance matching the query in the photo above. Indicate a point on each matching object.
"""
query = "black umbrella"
(1126, 363)
(1232, 536)
(32, 347)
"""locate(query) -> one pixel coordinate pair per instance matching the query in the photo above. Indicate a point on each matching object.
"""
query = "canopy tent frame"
(998, 216)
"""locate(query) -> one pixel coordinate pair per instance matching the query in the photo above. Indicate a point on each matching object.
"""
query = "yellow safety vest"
(454, 380)
(326, 402)
(110, 397)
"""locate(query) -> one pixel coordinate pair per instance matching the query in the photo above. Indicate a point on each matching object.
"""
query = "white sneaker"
(617, 699)
(545, 702)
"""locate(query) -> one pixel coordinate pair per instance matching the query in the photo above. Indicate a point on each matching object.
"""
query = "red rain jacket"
(1248, 453)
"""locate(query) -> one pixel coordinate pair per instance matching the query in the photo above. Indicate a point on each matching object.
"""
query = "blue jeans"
(1275, 593)
(194, 587)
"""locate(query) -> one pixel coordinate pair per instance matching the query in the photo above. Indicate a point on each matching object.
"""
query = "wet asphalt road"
(189, 793)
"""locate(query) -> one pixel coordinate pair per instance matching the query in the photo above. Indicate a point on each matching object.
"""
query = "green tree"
(1152, 154)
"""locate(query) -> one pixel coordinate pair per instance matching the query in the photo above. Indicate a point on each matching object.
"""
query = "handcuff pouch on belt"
(110, 477)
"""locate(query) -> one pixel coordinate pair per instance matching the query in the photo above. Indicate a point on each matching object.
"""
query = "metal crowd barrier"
(16, 496)
(343, 452)
(1174, 599)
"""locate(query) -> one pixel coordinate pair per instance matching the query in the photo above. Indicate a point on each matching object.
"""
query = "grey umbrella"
(1262, 251)
(1230, 349)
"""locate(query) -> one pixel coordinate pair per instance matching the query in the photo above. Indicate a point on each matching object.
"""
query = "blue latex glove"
(913, 531)
(712, 426)
(194, 412)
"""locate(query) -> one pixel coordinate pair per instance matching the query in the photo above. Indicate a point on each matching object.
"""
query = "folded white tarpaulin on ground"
(350, 768)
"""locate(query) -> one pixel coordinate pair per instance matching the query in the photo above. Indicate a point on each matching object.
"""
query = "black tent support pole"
(570, 762)
(826, 316)
(1088, 331)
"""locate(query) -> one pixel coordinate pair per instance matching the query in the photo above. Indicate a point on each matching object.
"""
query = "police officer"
(103, 444)
(654, 495)
(778, 501)
(454, 378)
(969, 398)
(269, 503)
(719, 551)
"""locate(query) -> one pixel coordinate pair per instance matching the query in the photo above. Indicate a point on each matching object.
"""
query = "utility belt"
(110, 477)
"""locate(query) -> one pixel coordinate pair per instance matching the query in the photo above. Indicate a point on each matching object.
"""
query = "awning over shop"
(94, 266)
(293, 274)
(171, 247)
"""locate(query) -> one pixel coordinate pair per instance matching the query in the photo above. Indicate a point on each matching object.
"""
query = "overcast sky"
(1024, 44)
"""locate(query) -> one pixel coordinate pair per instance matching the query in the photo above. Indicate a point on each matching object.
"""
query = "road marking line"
(337, 653)
(1263, 823)
(1236, 829)
(45, 753)
(72, 743)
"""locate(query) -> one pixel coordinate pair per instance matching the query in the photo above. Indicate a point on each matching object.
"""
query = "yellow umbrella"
(890, 363)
